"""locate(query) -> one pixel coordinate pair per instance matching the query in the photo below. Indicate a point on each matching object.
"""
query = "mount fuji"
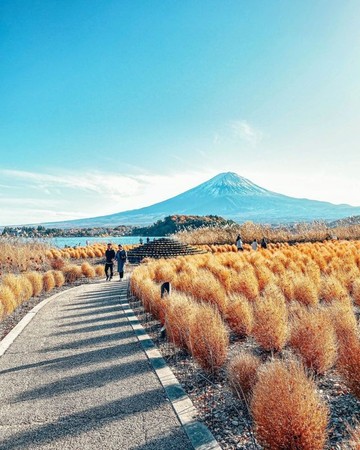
(228, 195)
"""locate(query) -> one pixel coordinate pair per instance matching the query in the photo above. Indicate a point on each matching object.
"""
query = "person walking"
(254, 244)
(263, 243)
(239, 244)
(109, 262)
(121, 260)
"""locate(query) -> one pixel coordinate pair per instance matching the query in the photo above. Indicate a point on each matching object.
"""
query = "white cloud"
(42, 197)
(243, 130)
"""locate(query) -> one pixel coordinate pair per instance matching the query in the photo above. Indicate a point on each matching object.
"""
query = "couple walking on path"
(120, 256)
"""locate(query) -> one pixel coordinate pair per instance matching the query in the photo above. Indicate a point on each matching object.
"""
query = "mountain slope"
(230, 196)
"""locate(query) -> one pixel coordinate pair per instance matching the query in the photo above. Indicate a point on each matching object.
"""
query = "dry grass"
(72, 273)
(58, 278)
(36, 280)
(302, 232)
(209, 340)
(271, 320)
(242, 374)
(348, 364)
(354, 441)
(288, 412)
(87, 270)
(313, 337)
(178, 316)
(99, 271)
(240, 315)
(48, 281)
(7, 300)
(17, 256)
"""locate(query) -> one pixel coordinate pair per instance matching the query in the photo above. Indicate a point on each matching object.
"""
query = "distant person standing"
(239, 244)
(109, 263)
(141, 241)
(263, 243)
(121, 260)
(147, 240)
(254, 245)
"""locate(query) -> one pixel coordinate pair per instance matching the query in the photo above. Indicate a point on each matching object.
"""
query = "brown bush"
(343, 319)
(72, 273)
(14, 283)
(87, 270)
(245, 283)
(209, 340)
(58, 278)
(348, 364)
(36, 280)
(99, 270)
(57, 263)
(240, 315)
(313, 337)
(7, 300)
(356, 292)
(27, 290)
(242, 374)
(332, 289)
(305, 290)
(48, 281)
(271, 320)
(2, 308)
(354, 441)
(287, 410)
(178, 315)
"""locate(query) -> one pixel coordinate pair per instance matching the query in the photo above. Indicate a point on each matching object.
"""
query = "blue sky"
(112, 105)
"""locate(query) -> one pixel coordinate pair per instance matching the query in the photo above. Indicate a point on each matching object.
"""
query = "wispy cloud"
(243, 130)
(40, 197)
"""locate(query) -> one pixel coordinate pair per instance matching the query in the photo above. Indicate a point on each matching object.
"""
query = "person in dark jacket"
(121, 260)
(263, 243)
(109, 263)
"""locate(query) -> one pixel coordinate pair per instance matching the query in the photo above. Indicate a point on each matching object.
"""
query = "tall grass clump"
(356, 292)
(313, 337)
(305, 290)
(99, 270)
(48, 281)
(287, 411)
(240, 315)
(348, 364)
(271, 320)
(36, 280)
(72, 273)
(242, 374)
(7, 300)
(209, 340)
(58, 278)
(87, 270)
(178, 316)
(332, 289)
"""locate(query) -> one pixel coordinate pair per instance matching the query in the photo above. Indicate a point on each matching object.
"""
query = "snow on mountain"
(230, 196)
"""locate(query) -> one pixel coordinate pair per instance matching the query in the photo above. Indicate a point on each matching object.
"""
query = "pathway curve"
(77, 378)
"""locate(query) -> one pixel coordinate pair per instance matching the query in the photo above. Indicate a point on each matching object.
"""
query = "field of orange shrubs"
(28, 269)
(295, 307)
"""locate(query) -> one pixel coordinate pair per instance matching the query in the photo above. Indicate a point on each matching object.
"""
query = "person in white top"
(239, 244)
(254, 244)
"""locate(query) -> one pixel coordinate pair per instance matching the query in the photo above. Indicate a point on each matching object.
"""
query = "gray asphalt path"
(77, 378)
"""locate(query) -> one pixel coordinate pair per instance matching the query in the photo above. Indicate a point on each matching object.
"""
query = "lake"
(61, 242)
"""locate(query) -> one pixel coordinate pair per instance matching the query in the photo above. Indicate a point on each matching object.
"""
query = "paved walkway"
(77, 378)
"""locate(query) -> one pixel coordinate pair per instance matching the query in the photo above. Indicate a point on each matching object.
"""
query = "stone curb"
(199, 435)
(18, 328)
